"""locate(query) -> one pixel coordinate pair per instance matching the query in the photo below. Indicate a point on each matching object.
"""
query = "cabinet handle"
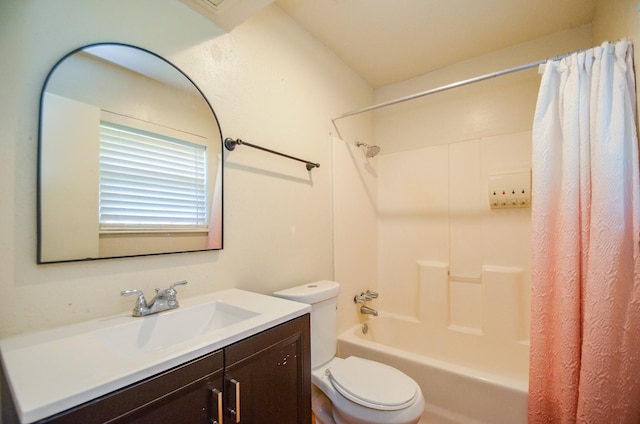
(236, 411)
(216, 405)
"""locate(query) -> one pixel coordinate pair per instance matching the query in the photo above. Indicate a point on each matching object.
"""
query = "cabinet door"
(268, 376)
(185, 394)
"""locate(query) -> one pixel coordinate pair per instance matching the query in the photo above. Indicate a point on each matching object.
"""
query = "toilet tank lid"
(310, 293)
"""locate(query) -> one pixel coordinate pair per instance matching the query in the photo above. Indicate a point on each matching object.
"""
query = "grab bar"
(231, 144)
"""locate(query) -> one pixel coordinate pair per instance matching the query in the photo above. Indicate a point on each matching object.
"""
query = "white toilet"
(351, 390)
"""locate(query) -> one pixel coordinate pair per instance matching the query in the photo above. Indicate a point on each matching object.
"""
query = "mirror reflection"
(130, 159)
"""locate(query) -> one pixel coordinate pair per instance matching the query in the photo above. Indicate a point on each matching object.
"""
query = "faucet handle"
(171, 293)
(178, 283)
(141, 300)
(363, 297)
(141, 303)
(372, 294)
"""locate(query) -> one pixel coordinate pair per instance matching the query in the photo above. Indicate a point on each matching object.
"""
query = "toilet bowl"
(383, 395)
(352, 390)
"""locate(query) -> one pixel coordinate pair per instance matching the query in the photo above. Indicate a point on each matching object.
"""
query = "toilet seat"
(372, 384)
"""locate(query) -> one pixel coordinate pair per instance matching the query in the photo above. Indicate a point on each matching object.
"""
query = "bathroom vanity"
(237, 357)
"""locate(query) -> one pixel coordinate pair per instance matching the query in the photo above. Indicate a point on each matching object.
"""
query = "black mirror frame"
(39, 260)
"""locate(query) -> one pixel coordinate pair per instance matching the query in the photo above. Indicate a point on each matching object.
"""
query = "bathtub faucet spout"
(368, 310)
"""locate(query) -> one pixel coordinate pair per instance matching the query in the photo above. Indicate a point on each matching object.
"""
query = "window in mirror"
(151, 182)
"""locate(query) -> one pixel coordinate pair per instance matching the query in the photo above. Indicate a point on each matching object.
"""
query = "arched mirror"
(130, 158)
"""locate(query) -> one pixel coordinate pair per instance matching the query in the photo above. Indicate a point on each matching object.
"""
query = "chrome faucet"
(162, 301)
(368, 310)
(365, 297)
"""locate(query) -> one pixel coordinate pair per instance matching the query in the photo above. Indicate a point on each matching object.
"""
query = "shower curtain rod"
(452, 85)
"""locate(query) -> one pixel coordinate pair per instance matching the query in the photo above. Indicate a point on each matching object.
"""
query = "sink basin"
(158, 331)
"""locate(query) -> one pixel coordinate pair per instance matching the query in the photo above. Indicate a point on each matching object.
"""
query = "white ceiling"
(387, 41)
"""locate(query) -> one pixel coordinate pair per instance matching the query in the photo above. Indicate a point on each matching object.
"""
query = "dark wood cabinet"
(263, 379)
(268, 377)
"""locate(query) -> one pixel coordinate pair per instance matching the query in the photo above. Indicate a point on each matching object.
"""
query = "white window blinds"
(151, 182)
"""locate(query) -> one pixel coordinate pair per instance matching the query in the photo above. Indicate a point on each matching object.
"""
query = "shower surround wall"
(445, 257)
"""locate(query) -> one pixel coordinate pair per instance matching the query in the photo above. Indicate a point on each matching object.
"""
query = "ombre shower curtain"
(585, 304)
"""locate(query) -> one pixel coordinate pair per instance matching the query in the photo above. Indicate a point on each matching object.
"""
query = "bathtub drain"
(365, 328)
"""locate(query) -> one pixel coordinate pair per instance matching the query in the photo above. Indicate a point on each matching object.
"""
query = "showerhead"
(369, 151)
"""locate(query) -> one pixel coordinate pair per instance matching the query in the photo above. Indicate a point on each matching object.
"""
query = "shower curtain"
(585, 299)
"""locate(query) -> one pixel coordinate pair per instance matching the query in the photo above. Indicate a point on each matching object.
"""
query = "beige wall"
(269, 82)
(501, 105)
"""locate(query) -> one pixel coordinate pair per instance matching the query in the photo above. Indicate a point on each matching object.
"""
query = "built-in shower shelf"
(510, 189)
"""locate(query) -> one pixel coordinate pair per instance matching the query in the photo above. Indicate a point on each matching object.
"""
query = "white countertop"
(51, 371)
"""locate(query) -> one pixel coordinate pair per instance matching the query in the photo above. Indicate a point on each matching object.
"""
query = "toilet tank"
(323, 298)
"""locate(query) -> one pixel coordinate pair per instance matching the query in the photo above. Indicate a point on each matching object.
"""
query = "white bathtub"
(464, 378)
